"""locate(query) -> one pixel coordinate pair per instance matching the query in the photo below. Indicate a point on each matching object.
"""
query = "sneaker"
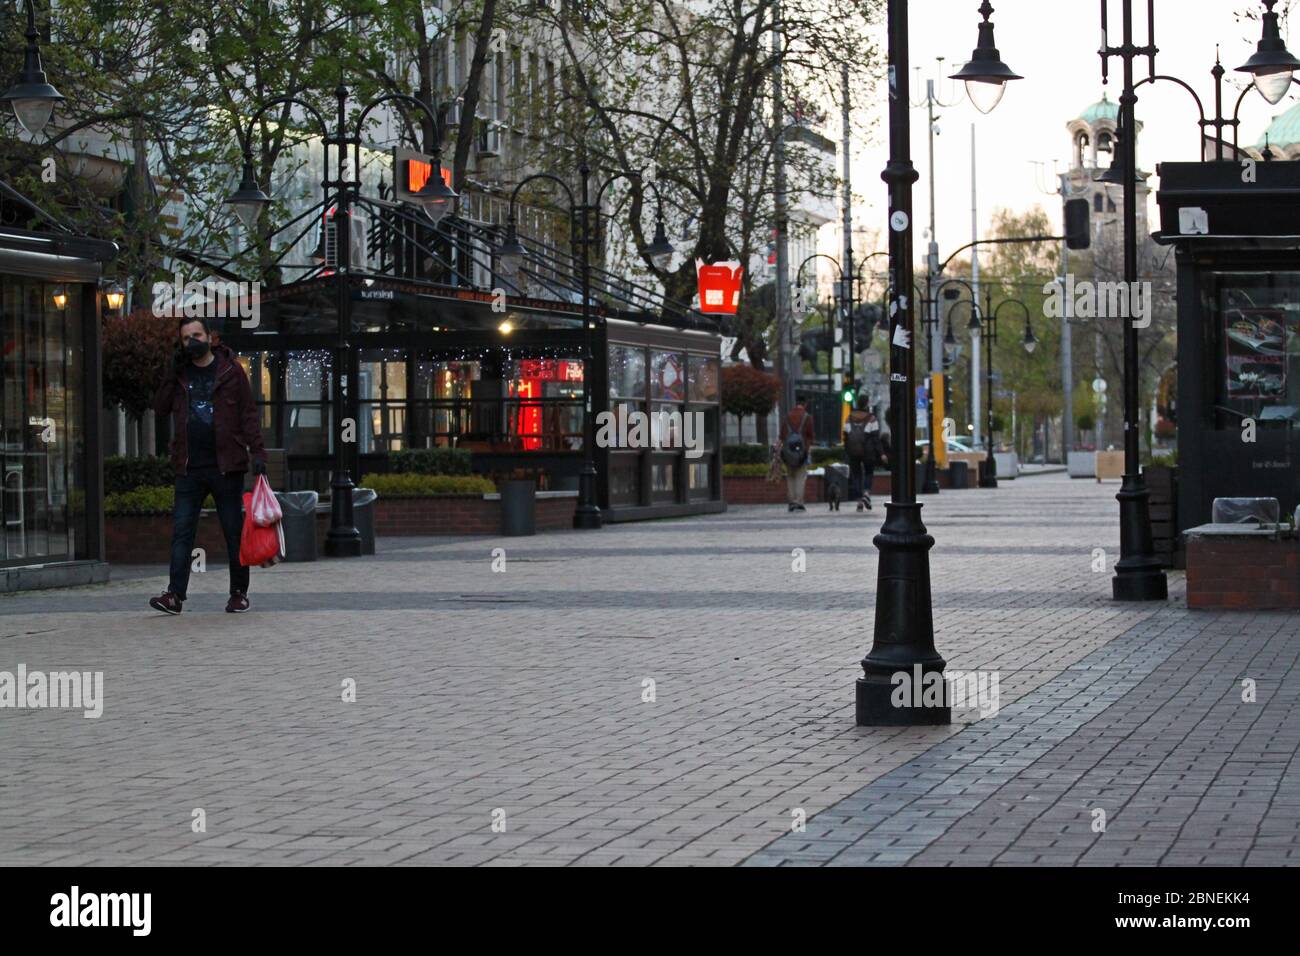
(868, 504)
(800, 508)
(167, 602)
(238, 603)
(859, 505)
(790, 507)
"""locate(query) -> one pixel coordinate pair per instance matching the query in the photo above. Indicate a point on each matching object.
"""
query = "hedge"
(408, 485)
(748, 454)
(429, 461)
(127, 474)
(149, 499)
(828, 455)
(744, 470)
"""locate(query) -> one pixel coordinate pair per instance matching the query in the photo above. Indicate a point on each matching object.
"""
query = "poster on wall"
(1255, 342)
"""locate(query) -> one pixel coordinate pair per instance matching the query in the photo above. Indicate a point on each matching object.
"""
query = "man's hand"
(259, 466)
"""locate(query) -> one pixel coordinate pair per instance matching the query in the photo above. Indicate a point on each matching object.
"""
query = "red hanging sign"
(719, 286)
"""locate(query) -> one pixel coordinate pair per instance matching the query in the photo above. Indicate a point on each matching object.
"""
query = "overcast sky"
(1053, 44)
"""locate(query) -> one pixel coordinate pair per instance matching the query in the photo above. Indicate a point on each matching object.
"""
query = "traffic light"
(1078, 229)
(851, 391)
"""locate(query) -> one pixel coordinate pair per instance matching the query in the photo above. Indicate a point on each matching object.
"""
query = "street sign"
(922, 398)
(1099, 385)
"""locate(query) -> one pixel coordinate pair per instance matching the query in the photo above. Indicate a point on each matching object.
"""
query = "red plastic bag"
(266, 508)
(259, 546)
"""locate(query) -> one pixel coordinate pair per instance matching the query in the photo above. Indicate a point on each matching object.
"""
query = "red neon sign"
(417, 174)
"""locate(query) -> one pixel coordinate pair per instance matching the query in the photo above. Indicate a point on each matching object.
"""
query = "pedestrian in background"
(856, 448)
(796, 452)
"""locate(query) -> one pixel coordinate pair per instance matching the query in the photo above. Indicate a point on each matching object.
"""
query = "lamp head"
(985, 75)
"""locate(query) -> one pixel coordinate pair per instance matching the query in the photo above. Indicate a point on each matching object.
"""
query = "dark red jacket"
(234, 414)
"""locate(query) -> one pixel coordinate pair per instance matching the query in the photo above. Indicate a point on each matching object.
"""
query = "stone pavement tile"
(522, 691)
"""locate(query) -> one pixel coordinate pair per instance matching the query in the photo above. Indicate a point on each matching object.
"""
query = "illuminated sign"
(411, 170)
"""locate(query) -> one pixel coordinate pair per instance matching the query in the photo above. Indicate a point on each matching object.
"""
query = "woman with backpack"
(796, 452)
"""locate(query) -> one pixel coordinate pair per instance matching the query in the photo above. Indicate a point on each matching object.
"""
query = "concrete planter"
(1081, 464)
(1008, 463)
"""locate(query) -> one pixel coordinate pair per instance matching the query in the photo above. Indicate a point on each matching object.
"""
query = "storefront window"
(43, 490)
(1259, 367)
(667, 376)
(382, 397)
(545, 404)
(626, 371)
(703, 378)
(305, 414)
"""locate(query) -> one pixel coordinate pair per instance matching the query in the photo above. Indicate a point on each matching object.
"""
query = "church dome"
(1284, 130)
(1103, 109)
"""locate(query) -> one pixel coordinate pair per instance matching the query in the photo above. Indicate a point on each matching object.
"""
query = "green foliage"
(746, 455)
(430, 461)
(149, 499)
(407, 485)
(744, 471)
(1166, 460)
(828, 455)
(122, 474)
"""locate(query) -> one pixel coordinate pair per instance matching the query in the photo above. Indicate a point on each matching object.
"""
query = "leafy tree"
(136, 348)
(748, 391)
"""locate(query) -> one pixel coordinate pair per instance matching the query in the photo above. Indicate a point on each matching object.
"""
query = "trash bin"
(518, 508)
(298, 511)
(363, 517)
(958, 474)
(837, 475)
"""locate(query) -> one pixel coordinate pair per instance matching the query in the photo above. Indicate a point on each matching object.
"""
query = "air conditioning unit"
(358, 252)
(453, 113)
(489, 140)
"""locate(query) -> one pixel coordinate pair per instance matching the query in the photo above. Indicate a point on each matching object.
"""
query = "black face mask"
(196, 348)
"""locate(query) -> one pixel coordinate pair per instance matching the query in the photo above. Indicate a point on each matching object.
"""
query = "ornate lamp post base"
(343, 540)
(902, 682)
(586, 516)
(1139, 576)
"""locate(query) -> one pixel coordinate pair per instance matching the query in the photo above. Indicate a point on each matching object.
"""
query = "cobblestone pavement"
(520, 696)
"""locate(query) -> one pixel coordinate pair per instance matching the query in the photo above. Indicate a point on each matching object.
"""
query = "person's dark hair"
(186, 320)
(863, 403)
(801, 399)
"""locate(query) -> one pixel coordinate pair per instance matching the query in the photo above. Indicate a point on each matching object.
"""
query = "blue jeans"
(228, 494)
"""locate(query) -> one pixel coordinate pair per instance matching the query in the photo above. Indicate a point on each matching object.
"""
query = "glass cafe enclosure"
(50, 490)
(1238, 257)
(436, 358)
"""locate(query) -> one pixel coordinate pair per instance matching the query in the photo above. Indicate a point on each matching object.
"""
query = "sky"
(1053, 44)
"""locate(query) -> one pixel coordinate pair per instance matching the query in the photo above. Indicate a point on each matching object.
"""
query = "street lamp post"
(343, 539)
(511, 255)
(903, 639)
(32, 98)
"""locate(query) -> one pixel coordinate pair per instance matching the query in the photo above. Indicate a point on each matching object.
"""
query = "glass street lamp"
(1030, 341)
(1272, 65)
(248, 199)
(114, 296)
(436, 197)
(985, 75)
(512, 253)
(32, 98)
(660, 250)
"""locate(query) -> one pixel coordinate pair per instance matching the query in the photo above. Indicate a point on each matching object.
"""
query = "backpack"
(794, 451)
(856, 443)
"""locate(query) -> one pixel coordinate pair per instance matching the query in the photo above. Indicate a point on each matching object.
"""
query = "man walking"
(796, 452)
(214, 429)
(856, 449)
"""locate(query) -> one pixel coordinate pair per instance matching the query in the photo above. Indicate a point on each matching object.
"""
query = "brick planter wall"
(147, 538)
(464, 514)
(1250, 573)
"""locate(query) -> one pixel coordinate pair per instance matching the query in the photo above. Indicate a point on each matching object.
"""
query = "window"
(626, 372)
